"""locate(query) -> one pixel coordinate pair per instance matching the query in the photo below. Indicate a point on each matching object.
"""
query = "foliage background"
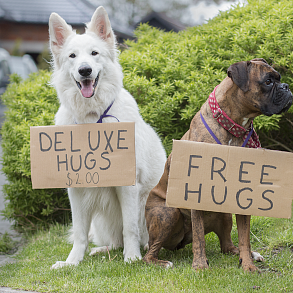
(170, 75)
(30, 103)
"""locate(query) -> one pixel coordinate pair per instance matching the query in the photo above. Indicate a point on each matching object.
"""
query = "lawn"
(273, 238)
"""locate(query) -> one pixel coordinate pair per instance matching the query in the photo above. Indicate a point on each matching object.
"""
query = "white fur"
(256, 256)
(245, 120)
(113, 215)
(169, 265)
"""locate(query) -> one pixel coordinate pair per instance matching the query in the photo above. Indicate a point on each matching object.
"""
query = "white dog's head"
(85, 67)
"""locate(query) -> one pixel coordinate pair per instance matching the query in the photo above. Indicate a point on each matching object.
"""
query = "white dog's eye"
(72, 55)
(94, 53)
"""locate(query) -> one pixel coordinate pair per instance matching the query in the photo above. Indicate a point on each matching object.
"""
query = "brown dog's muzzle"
(280, 100)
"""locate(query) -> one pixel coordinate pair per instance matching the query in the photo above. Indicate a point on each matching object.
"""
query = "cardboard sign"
(83, 155)
(228, 179)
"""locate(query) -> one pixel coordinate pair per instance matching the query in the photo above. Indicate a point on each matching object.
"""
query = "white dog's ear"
(100, 25)
(59, 31)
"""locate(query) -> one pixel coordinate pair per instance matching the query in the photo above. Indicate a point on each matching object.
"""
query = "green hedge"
(30, 103)
(170, 75)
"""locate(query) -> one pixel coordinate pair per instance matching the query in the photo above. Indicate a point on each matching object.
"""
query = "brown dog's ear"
(238, 73)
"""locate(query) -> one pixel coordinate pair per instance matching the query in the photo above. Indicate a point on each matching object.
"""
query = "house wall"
(33, 38)
(29, 32)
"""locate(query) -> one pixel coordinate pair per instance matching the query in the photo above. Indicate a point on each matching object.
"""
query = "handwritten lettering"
(83, 155)
(244, 197)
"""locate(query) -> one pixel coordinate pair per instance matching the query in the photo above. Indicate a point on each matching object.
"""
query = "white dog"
(88, 80)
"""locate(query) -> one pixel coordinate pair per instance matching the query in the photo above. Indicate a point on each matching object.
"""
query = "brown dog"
(252, 88)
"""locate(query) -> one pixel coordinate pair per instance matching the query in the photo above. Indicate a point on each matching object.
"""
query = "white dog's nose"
(85, 70)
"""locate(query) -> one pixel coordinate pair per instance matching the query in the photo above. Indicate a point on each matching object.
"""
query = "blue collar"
(104, 115)
(216, 139)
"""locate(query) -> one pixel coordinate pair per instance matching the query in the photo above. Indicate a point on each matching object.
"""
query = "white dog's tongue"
(87, 88)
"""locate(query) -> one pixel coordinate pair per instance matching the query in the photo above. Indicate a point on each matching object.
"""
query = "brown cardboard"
(70, 156)
(258, 181)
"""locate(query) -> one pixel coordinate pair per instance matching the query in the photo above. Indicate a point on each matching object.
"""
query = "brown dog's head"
(261, 86)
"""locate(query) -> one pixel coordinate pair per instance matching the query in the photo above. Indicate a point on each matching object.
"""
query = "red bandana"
(230, 125)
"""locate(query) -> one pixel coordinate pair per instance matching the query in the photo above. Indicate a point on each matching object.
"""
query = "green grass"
(271, 237)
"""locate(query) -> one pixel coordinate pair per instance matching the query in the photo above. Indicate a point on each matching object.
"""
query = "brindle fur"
(241, 97)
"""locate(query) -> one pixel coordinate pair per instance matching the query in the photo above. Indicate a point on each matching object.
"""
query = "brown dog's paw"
(248, 266)
(200, 264)
(231, 249)
(163, 263)
(166, 264)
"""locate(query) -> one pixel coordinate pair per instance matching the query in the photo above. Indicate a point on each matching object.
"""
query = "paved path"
(5, 225)
(5, 290)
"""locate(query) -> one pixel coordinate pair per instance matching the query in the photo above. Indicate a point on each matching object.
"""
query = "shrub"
(170, 75)
(7, 244)
(30, 103)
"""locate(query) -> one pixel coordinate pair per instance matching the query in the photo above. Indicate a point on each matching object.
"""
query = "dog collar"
(104, 115)
(249, 135)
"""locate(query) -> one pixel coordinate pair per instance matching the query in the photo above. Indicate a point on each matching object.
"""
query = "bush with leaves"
(29, 103)
(170, 75)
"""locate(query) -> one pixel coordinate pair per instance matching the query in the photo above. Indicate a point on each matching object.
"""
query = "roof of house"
(161, 20)
(75, 12)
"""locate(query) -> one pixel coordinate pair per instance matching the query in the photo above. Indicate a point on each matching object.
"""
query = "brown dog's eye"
(94, 53)
(268, 81)
(72, 55)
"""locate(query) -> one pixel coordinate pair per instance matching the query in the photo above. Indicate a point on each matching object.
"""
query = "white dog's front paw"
(256, 256)
(146, 247)
(132, 257)
(97, 250)
(61, 264)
